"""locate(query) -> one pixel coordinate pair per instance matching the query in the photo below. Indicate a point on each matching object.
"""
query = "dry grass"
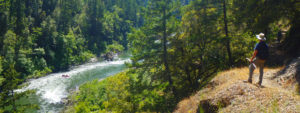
(228, 92)
(188, 105)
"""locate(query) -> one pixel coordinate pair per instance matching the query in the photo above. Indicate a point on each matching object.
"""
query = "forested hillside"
(42, 36)
(177, 46)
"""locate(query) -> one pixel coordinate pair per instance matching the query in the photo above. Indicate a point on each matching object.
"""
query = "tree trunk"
(226, 33)
(165, 54)
(13, 101)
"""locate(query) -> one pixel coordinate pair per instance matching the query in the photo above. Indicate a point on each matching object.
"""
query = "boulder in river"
(109, 56)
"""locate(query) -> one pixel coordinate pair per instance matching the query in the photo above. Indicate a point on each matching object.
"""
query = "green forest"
(176, 46)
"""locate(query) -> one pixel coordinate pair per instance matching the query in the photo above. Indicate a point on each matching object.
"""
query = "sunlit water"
(53, 89)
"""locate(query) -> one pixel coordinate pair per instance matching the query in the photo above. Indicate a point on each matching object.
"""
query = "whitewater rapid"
(53, 88)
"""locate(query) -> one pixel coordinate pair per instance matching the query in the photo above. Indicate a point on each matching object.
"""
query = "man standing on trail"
(260, 55)
(279, 36)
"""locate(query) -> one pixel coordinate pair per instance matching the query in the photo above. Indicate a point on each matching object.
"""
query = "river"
(53, 89)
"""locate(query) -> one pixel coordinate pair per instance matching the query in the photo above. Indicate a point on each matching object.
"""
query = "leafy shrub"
(242, 47)
(84, 56)
(123, 92)
(115, 47)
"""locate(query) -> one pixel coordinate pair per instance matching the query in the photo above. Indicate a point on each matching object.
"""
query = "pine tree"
(226, 33)
(11, 82)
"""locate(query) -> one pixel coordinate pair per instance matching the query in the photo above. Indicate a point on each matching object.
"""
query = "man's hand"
(249, 60)
(254, 55)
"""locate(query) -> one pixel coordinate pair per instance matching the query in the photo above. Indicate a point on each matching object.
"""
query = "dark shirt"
(263, 50)
(279, 34)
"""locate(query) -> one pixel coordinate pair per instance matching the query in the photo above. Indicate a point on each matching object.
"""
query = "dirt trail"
(227, 93)
(268, 81)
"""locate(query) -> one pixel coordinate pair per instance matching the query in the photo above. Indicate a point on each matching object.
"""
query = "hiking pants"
(259, 63)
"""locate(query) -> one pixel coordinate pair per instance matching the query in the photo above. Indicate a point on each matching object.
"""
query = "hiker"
(279, 36)
(260, 55)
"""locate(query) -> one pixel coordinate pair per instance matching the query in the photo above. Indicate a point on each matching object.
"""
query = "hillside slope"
(228, 93)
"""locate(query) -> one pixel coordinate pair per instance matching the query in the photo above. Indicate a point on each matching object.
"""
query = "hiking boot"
(248, 81)
(259, 85)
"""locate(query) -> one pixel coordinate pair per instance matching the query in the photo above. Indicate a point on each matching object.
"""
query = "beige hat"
(261, 36)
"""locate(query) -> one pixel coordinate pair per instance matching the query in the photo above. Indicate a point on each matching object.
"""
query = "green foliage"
(115, 47)
(123, 92)
(7, 95)
(40, 73)
(24, 63)
(175, 49)
(242, 47)
(82, 107)
(70, 50)
(198, 49)
(9, 44)
(84, 57)
(112, 22)
(1, 65)
(263, 12)
(11, 81)
(1, 77)
(67, 31)
(42, 36)
(194, 47)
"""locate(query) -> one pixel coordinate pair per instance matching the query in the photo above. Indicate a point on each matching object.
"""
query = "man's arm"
(254, 55)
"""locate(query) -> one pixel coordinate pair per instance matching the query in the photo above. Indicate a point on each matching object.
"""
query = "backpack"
(263, 51)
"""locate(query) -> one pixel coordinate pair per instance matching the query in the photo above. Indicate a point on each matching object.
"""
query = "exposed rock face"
(289, 77)
(109, 56)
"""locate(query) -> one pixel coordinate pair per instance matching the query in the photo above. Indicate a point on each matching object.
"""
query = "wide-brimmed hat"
(261, 36)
